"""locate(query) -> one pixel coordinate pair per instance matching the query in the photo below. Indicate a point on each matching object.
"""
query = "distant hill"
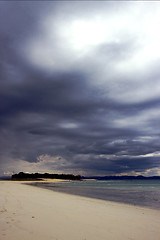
(140, 177)
(5, 177)
(39, 176)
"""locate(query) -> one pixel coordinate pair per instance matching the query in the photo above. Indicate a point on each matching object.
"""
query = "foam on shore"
(31, 213)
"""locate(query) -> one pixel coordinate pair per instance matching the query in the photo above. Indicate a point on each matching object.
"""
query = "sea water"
(144, 193)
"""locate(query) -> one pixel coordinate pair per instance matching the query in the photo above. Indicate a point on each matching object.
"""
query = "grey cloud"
(34, 110)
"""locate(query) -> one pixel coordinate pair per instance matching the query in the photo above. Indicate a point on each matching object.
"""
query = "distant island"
(39, 176)
(127, 177)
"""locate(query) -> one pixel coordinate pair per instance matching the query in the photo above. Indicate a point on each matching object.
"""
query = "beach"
(32, 213)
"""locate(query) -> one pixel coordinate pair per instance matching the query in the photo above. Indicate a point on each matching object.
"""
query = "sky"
(80, 87)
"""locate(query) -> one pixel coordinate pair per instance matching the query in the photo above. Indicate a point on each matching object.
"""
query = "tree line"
(39, 176)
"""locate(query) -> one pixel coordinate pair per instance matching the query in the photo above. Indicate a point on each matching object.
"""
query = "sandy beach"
(32, 213)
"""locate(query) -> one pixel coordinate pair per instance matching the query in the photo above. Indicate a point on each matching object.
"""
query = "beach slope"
(32, 213)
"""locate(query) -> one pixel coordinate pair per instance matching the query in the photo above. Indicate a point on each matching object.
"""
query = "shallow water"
(136, 192)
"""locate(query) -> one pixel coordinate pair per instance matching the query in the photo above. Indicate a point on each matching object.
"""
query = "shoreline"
(81, 192)
(37, 214)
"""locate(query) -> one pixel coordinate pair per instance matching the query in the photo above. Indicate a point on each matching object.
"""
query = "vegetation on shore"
(39, 176)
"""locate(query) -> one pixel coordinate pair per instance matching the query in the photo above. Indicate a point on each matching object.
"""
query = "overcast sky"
(80, 87)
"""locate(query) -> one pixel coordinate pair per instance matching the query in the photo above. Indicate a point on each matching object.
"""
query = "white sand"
(31, 213)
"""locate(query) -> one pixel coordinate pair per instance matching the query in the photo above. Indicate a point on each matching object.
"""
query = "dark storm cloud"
(104, 165)
(82, 111)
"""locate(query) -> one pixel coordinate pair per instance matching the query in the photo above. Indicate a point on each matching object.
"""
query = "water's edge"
(144, 197)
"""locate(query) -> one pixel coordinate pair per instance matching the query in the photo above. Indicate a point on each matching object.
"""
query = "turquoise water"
(113, 184)
(136, 192)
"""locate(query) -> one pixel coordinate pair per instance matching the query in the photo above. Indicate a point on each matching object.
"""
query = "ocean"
(145, 193)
